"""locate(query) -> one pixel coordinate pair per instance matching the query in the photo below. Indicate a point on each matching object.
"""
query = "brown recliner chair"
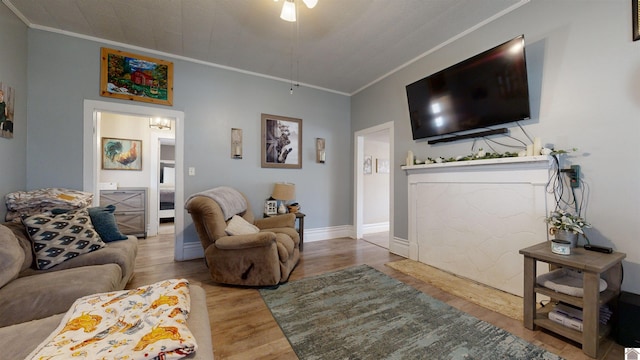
(265, 258)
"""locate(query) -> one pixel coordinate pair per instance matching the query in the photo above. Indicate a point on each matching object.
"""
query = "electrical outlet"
(574, 176)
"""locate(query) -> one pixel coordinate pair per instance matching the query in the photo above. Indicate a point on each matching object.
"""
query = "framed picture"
(636, 19)
(382, 166)
(281, 142)
(121, 154)
(367, 167)
(128, 76)
(7, 96)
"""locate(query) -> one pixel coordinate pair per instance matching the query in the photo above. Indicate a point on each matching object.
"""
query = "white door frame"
(92, 152)
(359, 177)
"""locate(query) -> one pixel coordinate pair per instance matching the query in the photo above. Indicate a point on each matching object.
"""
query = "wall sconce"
(320, 153)
(160, 123)
(236, 143)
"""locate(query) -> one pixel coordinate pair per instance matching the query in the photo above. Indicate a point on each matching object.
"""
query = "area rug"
(479, 294)
(361, 313)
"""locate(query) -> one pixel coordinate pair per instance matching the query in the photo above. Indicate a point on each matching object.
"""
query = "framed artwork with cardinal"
(121, 154)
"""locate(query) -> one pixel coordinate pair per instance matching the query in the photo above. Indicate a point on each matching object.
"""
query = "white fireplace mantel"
(470, 218)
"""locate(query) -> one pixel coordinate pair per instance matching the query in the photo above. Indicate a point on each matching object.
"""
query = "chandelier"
(289, 9)
(160, 123)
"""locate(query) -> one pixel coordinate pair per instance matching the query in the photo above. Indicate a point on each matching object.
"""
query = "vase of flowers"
(566, 226)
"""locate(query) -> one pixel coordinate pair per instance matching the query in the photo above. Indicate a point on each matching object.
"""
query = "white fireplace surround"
(470, 218)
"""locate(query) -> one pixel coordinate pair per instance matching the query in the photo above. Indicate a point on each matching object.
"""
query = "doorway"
(374, 185)
(93, 111)
(166, 185)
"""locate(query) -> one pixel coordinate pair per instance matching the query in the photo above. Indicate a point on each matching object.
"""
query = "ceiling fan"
(289, 9)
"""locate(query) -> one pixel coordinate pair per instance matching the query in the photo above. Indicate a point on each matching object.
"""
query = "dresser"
(131, 209)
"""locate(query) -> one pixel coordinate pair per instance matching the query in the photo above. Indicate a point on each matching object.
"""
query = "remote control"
(602, 249)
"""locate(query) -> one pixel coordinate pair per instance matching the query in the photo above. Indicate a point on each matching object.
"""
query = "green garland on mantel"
(474, 157)
(482, 155)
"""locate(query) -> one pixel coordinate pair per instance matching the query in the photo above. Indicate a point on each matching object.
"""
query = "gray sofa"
(32, 302)
(29, 294)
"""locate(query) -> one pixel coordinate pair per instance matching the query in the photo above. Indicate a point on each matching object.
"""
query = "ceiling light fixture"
(160, 123)
(290, 13)
(289, 9)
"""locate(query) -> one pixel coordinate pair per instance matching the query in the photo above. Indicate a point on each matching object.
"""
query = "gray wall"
(583, 72)
(13, 73)
(63, 71)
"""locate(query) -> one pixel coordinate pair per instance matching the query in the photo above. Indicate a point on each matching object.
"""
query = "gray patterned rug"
(361, 313)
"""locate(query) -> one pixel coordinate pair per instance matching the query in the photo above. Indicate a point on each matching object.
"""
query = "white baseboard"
(399, 247)
(375, 227)
(193, 250)
(317, 234)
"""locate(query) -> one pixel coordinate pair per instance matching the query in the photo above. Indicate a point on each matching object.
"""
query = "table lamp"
(283, 192)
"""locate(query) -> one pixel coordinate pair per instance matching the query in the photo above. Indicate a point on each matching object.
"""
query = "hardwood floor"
(380, 238)
(242, 326)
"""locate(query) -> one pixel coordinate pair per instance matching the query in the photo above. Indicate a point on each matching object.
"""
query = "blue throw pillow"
(104, 222)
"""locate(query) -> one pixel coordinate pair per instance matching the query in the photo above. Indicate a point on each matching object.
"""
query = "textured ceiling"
(341, 45)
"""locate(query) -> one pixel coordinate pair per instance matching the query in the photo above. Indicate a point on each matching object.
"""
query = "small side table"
(593, 265)
(300, 218)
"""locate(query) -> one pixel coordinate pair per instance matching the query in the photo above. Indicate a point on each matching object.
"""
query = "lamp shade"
(310, 3)
(288, 11)
(284, 191)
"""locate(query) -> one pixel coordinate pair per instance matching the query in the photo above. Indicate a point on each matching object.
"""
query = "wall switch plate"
(192, 171)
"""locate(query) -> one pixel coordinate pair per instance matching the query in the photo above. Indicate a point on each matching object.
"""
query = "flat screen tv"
(487, 89)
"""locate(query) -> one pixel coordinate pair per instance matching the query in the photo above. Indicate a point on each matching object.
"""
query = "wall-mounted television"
(487, 89)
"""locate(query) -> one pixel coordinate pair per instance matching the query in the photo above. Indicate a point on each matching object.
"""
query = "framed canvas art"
(128, 76)
(367, 167)
(382, 166)
(7, 96)
(121, 154)
(281, 142)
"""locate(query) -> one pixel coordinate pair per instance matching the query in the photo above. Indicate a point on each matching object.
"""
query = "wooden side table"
(300, 219)
(593, 266)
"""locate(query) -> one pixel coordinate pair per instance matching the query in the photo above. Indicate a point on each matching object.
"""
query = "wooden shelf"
(542, 320)
(605, 296)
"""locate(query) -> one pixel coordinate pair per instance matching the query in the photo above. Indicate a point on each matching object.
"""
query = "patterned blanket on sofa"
(149, 322)
(26, 203)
